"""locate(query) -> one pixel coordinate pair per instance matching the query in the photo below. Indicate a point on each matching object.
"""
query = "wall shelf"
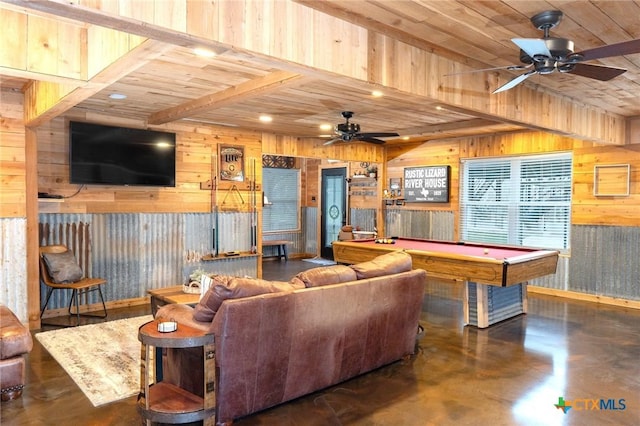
(363, 186)
(393, 201)
(210, 257)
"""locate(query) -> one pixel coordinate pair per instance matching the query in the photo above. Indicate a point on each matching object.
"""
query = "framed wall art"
(232, 167)
(610, 180)
(395, 184)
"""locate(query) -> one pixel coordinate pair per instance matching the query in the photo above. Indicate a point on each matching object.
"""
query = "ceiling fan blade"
(597, 72)
(332, 141)
(617, 49)
(519, 79)
(532, 46)
(377, 135)
(368, 139)
(507, 67)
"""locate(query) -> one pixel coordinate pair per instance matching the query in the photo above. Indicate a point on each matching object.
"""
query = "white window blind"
(281, 186)
(519, 201)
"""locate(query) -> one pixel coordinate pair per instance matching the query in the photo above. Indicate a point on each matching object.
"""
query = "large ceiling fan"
(551, 53)
(350, 132)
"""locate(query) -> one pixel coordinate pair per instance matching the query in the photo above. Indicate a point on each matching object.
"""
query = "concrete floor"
(512, 373)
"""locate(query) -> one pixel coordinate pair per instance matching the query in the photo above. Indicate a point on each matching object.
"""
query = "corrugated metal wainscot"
(138, 252)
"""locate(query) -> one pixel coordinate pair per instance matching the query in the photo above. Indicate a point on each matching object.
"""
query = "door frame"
(345, 220)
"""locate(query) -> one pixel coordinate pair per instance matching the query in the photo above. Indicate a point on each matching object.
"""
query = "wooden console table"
(163, 402)
(169, 295)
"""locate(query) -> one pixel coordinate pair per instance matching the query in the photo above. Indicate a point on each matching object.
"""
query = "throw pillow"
(386, 264)
(62, 267)
(204, 309)
(325, 275)
(235, 288)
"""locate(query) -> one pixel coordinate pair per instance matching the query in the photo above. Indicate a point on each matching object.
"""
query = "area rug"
(103, 359)
(320, 261)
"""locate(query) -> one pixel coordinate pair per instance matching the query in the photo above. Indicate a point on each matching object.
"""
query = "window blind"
(520, 200)
(281, 186)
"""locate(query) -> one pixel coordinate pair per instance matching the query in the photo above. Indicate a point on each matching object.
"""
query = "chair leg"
(46, 302)
(102, 299)
(72, 299)
(78, 294)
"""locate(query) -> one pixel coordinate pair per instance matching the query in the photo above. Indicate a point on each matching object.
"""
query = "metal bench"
(280, 244)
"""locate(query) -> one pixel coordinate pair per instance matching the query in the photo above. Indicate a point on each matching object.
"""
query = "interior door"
(333, 209)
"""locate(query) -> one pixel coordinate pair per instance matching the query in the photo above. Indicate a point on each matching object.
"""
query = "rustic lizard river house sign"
(427, 184)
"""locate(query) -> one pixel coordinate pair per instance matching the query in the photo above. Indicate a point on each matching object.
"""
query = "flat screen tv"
(110, 155)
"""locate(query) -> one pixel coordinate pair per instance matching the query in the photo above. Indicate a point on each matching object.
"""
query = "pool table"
(495, 275)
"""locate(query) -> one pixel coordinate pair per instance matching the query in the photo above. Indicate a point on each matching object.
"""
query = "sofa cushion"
(326, 275)
(386, 264)
(235, 288)
(62, 267)
(203, 310)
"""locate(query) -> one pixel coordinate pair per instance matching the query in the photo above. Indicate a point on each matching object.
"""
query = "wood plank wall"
(197, 148)
(311, 183)
(586, 207)
(197, 153)
(12, 155)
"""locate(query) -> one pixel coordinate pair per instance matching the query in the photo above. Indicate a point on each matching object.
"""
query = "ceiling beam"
(33, 75)
(45, 100)
(447, 127)
(259, 86)
(95, 16)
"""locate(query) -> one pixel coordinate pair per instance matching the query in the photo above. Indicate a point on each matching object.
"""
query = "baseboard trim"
(605, 300)
(125, 303)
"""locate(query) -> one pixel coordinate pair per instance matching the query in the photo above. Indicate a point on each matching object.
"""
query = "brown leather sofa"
(15, 341)
(274, 347)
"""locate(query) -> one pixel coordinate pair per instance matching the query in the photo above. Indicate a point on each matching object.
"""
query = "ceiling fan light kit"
(555, 53)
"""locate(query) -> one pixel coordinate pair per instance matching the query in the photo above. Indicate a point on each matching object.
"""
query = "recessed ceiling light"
(266, 118)
(326, 126)
(405, 138)
(206, 53)
(377, 94)
(117, 96)
(439, 108)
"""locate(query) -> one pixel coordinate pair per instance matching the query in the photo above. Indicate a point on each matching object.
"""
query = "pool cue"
(214, 202)
(254, 234)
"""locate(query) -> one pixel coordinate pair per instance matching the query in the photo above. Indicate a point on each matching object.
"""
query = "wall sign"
(428, 184)
(231, 163)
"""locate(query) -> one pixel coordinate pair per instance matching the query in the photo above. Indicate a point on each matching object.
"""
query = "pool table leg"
(485, 305)
(465, 303)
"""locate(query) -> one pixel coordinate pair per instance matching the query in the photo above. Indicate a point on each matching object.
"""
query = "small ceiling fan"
(549, 54)
(350, 132)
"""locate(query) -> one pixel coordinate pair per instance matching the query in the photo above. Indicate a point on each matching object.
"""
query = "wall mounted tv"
(110, 155)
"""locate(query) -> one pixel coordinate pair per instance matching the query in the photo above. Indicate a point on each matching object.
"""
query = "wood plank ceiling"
(233, 89)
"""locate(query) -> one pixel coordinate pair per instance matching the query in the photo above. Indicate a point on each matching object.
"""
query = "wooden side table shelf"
(164, 402)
